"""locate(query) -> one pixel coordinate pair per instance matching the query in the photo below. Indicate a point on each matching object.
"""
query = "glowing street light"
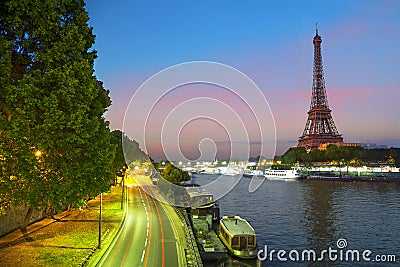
(38, 153)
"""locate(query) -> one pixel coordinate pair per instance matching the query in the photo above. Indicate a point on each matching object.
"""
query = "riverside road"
(150, 236)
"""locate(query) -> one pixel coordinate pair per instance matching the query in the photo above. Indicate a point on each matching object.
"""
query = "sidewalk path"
(18, 236)
(65, 241)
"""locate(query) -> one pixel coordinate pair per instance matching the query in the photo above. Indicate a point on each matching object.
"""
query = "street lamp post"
(101, 207)
(123, 185)
(122, 196)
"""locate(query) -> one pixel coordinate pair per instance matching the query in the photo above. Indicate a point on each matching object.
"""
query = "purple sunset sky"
(269, 41)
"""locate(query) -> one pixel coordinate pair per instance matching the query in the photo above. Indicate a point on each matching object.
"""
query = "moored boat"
(210, 246)
(238, 236)
(253, 173)
(204, 215)
(292, 174)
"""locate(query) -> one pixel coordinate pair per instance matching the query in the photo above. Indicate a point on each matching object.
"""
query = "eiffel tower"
(320, 127)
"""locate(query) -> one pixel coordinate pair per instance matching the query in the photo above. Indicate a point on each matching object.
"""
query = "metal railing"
(190, 238)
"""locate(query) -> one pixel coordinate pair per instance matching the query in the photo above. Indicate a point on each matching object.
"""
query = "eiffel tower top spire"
(319, 98)
(320, 127)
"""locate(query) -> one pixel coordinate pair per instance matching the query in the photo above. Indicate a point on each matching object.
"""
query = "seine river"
(314, 215)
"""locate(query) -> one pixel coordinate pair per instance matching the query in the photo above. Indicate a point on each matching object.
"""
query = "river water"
(314, 215)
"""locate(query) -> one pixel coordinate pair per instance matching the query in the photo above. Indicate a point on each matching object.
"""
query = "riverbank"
(345, 178)
(354, 177)
(66, 241)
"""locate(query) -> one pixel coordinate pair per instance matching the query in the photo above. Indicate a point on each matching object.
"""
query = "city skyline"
(272, 44)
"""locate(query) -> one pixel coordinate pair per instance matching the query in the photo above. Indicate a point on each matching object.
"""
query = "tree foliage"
(132, 151)
(127, 150)
(174, 174)
(345, 154)
(55, 144)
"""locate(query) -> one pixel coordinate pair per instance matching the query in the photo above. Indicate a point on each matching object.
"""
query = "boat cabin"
(238, 236)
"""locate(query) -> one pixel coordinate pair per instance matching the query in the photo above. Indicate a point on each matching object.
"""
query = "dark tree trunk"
(50, 212)
(26, 219)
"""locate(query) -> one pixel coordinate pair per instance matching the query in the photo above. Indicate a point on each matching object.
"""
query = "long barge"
(345, 178)
(215, 235)
(204, 214)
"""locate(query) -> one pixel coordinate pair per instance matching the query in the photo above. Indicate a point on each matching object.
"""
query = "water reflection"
(320, 217)
(319, 214)
(314, 215)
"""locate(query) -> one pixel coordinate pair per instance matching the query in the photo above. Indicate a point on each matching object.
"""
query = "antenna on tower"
(316, 28)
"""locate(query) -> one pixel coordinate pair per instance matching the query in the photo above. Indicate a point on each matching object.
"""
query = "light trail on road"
(142, 238)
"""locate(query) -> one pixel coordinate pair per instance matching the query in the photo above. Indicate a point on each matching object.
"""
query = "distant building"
(373, 146)
(325, 145)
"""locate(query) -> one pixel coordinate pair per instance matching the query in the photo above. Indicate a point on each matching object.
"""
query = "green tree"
(119, 159)
(350, 153)
(333, 153)
(347, 154)
(317, 155)
(127, 151)
(294, 155)
(395, 154)
(132, 151)
(174, 174)
(55, 145)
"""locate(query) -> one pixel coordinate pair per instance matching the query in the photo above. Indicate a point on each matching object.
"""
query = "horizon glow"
(272, 44)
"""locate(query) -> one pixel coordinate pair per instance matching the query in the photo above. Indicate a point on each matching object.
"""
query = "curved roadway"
(150, 236)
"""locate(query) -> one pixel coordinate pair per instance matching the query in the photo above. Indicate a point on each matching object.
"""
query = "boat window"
(235, 241)
(250, 240)
(243, 243)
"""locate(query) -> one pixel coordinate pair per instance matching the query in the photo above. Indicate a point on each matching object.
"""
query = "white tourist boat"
(292, 174)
